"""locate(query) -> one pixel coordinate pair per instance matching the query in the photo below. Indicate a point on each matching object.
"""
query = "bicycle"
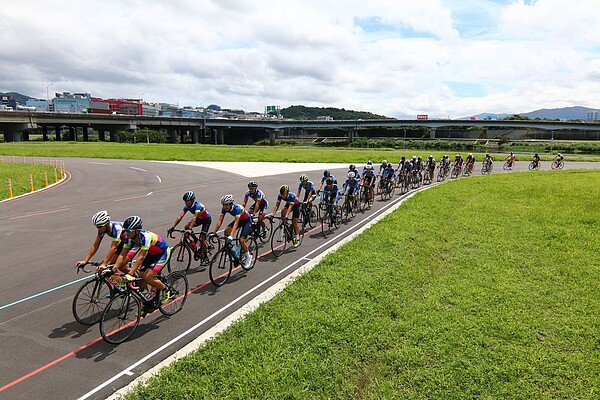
(467, 170)
(402, 182)
(365, 198)
(348, 207)
(427, 176)
(259, 233)
(330, 217)
(388, 189)
(122, 314)
(486, 167)
(416, 179)
(229, 256)
(456, 170)
(283, 235)
(442, 173)
(308, 216)
(557, 164)
(181, 254)
(534, 166)
(508, 165)
(92, 297)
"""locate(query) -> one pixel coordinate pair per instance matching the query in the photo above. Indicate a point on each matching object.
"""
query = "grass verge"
(190, 152)
(19, 174)
(480, 288)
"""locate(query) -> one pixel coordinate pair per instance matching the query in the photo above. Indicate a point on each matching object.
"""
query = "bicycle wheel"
(253, 250)
(279, 240)
(91, 300)
(179, 291)
(265, 235)
(181, 258)
(325, 218)
(220, 268)
(506, 166)
(531, 166)
(120, 318)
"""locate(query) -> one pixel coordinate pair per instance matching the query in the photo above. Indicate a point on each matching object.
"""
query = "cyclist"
(326, 174)
(446, 164)
(113, 229)
(383, 166)
(200, 217)
(430, 166)
(458, 161)
(511, 158)
(330, 193)
(241, 221)
(152, 255)
(389, 174)
(488, 159)
(350, 187)
(536, 159)
(260, 205)
(309, 190)
(559, 157)
(470, 162)
(292, 204)
(352, 168)
(368, 179)
(365, 167)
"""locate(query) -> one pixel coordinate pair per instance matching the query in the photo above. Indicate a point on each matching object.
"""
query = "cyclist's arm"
(219, 223)
(111, 252)
(276, 207)
(178, 219)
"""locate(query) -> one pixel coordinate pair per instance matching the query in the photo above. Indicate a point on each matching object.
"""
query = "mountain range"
(565, 113)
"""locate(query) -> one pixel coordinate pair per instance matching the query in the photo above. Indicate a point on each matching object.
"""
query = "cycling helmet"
(326, 173)
(446, 156)
(470, 154)
(414, 157)
(303, 178)
(420, 158)
(187, 196)
(284, 189)
(369, 162)
(352, 167)
(101, 218)
(351, 174)
(403, 158)
(536, 154)
(252, 184)
(329, 181)
(430, 157)
(458, 155)
(227, 199)
(369, 167)
(132, 223)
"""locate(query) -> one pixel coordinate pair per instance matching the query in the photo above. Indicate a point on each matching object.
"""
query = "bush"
(141, 136)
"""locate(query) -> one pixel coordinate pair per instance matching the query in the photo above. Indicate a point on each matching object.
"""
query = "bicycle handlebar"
(82, 267)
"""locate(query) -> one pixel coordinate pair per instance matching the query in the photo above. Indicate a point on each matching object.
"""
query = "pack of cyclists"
(150, 251)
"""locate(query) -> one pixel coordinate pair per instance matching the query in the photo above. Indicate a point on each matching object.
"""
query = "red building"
(110, 106)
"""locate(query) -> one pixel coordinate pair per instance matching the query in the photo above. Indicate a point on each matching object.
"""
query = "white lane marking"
(128, 373)
(98, 163)
(138, 169)
(40, 213)
(134, 197)
(158, 177)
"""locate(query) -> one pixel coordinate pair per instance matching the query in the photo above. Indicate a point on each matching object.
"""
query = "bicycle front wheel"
(120, 318)
(178, 287)
(91, 300)
(181, 258)
(279, 240)
(220, 267)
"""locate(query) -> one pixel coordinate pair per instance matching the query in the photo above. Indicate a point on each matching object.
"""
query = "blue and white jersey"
(308, 186)
(291, 198)
(351, 184)
(115, 231)
(197, 209)
(236, 210)
(257, 196)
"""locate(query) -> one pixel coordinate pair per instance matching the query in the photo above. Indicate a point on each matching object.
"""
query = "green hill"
(303, 112)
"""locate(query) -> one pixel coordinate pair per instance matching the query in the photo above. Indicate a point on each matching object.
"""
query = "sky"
(398, 58)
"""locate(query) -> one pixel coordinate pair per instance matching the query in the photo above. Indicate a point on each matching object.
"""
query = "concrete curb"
(60, 181)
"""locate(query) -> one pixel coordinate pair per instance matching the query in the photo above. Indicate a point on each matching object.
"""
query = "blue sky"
(394, 57)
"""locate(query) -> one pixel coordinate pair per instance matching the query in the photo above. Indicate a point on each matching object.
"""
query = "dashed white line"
(138, 169)
(158, 177)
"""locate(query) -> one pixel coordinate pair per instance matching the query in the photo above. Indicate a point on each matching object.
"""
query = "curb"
(60, 181)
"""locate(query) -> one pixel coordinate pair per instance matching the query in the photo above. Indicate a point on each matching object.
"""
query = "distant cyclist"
(310, 194)
(511, 158)
(260, 206)
(292, 205)
(430, 166)
(330, 193)
(458, 161)
(368, 179)
(536, 159)
(351, 187)
(200, 217)
(326, 174)
(114, 230)
(559, 157)
(470, 162)
(241, 221)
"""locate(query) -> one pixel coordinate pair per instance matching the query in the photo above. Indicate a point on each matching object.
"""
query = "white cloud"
(397, 58)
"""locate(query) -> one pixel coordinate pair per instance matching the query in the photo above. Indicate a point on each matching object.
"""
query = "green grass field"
(478, 288)
(19, 173)
(190, 152)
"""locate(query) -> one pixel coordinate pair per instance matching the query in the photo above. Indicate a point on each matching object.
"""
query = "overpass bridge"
(17, 124)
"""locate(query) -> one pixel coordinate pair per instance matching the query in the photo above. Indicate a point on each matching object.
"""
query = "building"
(40, 105)
(592, 115)
(71, 103)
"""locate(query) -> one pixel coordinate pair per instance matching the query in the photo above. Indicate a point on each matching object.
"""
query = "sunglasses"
(127, 230)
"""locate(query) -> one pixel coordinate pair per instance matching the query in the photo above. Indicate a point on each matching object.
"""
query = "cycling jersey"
(291, 198)
(352, 185)
(431, 164)
(236, 210)
(147, 240)
(308, 186)
(198, 209)
(259, 197)
(368, 175)
(330, 176)
(389, 173)
(115, 231)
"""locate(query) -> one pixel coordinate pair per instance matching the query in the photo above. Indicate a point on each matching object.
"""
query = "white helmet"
(227, 199)
(351, 174)
(101, 218)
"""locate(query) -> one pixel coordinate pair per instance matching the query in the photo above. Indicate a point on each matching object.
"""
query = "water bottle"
(238, 251)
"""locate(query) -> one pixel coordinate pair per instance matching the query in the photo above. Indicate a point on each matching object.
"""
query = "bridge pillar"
(112, 134)
(25, 136)
(73, 133)
(221, 133)
(195, 135)
(45, 133)
(86, 134)
(57, 133)
(432, 133)
(171, 135)
(102, 135)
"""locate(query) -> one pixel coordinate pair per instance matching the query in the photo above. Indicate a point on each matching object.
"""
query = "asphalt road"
(45, 352)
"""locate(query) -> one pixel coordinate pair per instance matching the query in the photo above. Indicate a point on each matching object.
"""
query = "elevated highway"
(16, 125)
